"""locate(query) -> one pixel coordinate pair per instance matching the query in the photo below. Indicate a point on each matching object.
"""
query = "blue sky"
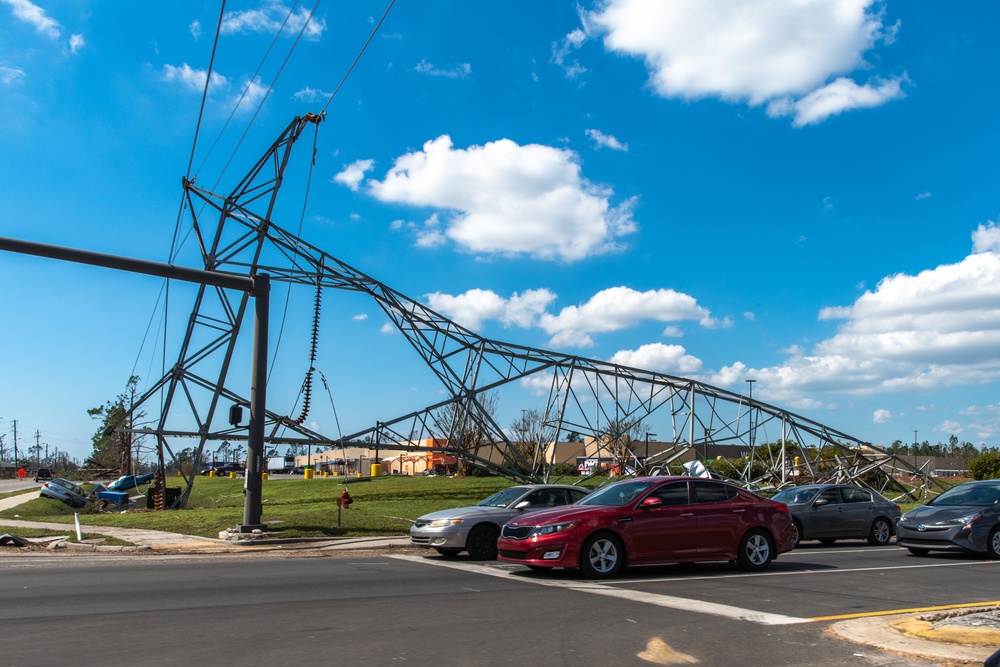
(799, 193)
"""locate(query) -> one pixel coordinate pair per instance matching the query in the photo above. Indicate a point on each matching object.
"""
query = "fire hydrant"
(346, 500)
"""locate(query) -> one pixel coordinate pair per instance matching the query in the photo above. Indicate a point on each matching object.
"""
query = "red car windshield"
(617, 494)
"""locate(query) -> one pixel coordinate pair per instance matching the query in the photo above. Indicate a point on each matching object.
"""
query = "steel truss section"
(608, 405)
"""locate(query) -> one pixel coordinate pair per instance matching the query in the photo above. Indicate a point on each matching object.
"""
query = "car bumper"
(435, 538)
(539, 554)
(956, 538)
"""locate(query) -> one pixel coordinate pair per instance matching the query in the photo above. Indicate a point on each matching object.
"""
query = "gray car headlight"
(552, 528)
(444, 523)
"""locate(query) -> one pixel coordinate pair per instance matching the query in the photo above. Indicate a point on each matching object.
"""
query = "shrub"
(986, 466)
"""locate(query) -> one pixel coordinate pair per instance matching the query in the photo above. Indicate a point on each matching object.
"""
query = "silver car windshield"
(974, 495)
(503, 498)
(616, 495)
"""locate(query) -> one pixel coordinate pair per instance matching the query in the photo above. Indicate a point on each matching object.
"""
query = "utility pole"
(38, 449)
(15, 443)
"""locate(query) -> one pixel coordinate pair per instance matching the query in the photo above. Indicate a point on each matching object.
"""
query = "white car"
(69, 492)
(476, 528)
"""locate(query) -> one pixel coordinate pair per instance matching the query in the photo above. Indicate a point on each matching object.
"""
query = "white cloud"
(670, 359)
(950, 427)
(881, 416)
(360, 317)
(791, 54)
(986, 238)
(459, 71)
(936, 329)
(76, 42)
(195, 29)
(253, 93)
(269, 19)
(354, 173)
(606, 141)
(619, 308)
(388, 328)
(474, 307)
(673, 332)
(11, 75)
(311, 95)
(561, 51)
(509, 199)
(35, 16)
(837, 97)
(923, 195)
(193, 79)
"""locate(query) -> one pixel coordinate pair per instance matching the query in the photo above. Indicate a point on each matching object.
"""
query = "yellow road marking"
(912, 610)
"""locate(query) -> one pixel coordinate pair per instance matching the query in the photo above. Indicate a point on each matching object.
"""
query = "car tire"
(880, 533)
(918, 552)
(448, 553)
(798, 531)
(993, 544)
(602, 556)
(756, 551)
(482, 542)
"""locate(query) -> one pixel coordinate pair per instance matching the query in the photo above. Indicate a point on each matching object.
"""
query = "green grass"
(10, 494)
(291, 507)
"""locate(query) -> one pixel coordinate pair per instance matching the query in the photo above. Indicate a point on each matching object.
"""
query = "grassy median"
(291, 507)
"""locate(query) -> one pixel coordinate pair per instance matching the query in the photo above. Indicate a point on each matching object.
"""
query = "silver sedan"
(476, 528)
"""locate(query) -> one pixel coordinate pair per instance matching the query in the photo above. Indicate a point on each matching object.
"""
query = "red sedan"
(651, 520)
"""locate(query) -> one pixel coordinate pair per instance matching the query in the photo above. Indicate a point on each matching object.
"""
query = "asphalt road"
(240, 610)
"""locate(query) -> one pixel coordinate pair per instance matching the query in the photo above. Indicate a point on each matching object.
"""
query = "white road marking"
(669, 601)
(802, 572)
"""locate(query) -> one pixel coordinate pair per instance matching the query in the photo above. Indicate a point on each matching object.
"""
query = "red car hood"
(565, 513)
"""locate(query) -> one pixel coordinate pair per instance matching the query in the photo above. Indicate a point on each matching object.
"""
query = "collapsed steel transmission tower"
(611, 406)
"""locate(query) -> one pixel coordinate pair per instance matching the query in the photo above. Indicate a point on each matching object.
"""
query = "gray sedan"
(831, 512)
(965, 518)
(476, 528)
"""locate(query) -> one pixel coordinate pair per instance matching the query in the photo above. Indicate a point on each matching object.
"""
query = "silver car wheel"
(758, 549)
(603, 556)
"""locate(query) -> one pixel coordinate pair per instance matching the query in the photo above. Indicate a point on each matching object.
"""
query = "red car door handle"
(738, 511)
(688, 514)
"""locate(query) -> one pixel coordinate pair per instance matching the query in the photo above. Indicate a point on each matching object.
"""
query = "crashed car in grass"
(476, 528)
(69, 492)
(126, 482)
(965, 518)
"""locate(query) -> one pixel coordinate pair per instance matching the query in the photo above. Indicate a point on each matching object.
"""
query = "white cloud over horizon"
(791, 55)
(938, 328)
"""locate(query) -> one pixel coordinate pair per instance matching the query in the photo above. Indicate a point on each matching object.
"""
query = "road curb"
(884, 632)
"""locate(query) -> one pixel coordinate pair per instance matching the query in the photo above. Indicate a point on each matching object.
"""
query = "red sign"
(22, 473)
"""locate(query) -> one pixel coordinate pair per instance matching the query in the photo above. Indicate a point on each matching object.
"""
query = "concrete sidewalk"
(176, 542)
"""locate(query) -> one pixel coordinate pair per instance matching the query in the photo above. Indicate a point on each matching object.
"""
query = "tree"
(467, 426)
(527, 433)
(114, 441)
(986, 466)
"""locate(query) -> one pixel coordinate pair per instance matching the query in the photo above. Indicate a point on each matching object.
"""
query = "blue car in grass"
(127, 482)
